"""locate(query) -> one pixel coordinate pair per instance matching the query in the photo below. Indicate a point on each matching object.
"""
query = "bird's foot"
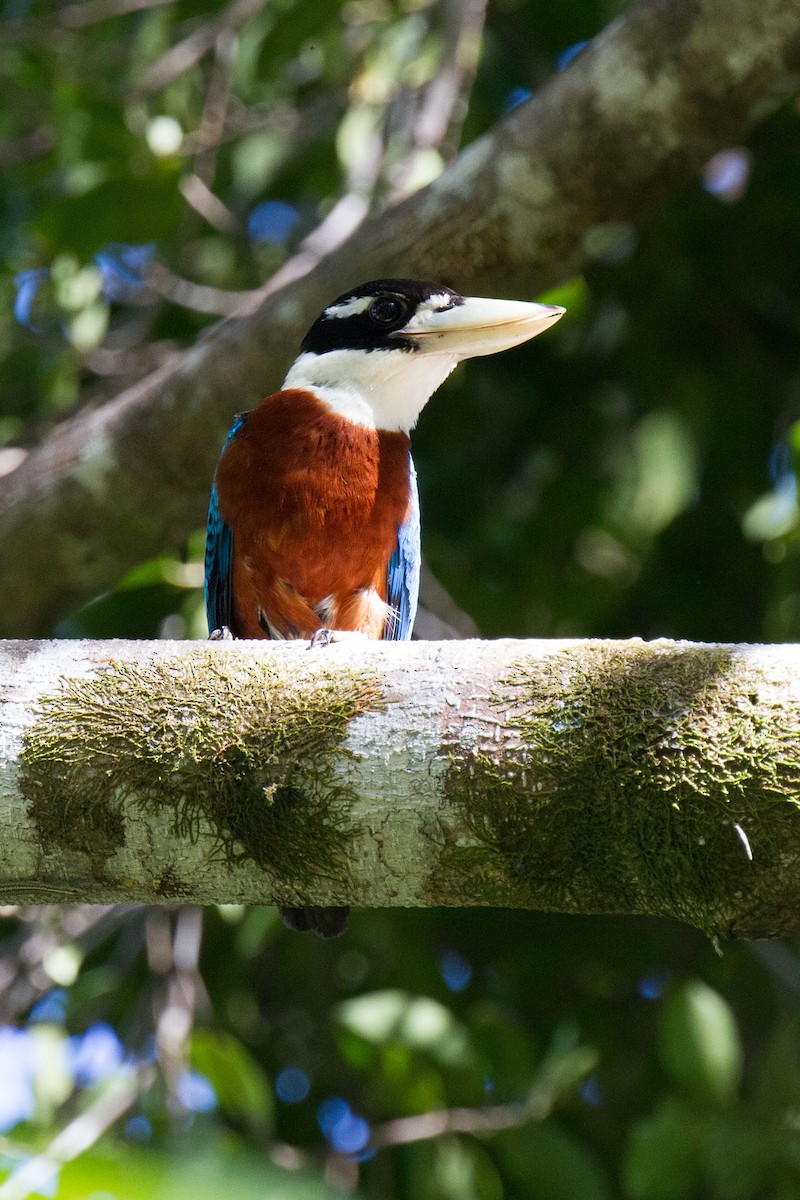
(325, 922)
(221, 635)
(326, 637)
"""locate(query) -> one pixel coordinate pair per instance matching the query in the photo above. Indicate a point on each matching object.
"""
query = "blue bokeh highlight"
(292, 1085)
(272, 222)
(566, 56)
(28, 284)
(455, 970)
(51, 1009)
(651, 985)
(346, 1131)
(196, 1092)
(17, 1098)
(95, 1055)
(123, 268)
(515, 97)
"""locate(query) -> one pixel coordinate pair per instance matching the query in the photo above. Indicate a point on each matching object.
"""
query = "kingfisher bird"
(313, 524)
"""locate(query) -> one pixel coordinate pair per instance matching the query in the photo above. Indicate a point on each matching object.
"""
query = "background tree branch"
(604, 142)
(586, 777)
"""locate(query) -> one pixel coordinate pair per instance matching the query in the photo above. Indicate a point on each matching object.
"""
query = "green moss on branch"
(625, 773)
(246, 746)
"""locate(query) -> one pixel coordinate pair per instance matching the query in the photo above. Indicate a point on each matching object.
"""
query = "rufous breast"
(314, 502)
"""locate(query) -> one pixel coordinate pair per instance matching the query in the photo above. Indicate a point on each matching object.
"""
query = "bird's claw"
(223, 634)
(326, 637)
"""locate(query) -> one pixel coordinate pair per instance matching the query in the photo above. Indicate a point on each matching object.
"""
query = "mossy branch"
(616, 777)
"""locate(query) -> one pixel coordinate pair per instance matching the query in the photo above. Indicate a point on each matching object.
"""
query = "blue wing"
(403, 576)
(219, 554)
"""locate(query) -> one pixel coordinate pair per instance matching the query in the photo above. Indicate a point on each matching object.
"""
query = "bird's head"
(378, 353)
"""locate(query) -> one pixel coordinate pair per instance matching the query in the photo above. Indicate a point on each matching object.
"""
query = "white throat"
(380, 389)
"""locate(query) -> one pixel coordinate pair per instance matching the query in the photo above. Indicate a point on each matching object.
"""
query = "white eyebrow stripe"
(350, 307)
(438, 302)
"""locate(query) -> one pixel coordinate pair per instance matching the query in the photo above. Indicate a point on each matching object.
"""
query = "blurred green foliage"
(631, 473)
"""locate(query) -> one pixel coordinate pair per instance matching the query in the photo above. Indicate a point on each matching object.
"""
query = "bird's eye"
(387, 310)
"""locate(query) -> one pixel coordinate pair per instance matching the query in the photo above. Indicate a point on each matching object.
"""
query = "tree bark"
(606, 141)
(654, 778)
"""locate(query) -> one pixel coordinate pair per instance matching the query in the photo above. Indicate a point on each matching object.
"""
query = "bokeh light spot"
(196, 1093)
(727, 174)
(272, 222)
(292, 1085)
(455, 970)
(95, 1054)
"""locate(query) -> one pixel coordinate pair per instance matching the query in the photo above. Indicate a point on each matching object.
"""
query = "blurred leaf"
(544, 1160)
(218, 1169)
(777, 1083)
(663, 1157)
(699, 1044)
(115, 212)
(375, 1017)
(773, 515)
(417, 1022)
(52, 1073)
(574, 296)
(462, 1170)
(242, 1088)
(743, 1157)
(661, 475)
(506, 1053)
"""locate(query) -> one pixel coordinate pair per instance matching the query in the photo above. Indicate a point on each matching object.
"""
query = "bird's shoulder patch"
(219, 551)
(402, 584)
